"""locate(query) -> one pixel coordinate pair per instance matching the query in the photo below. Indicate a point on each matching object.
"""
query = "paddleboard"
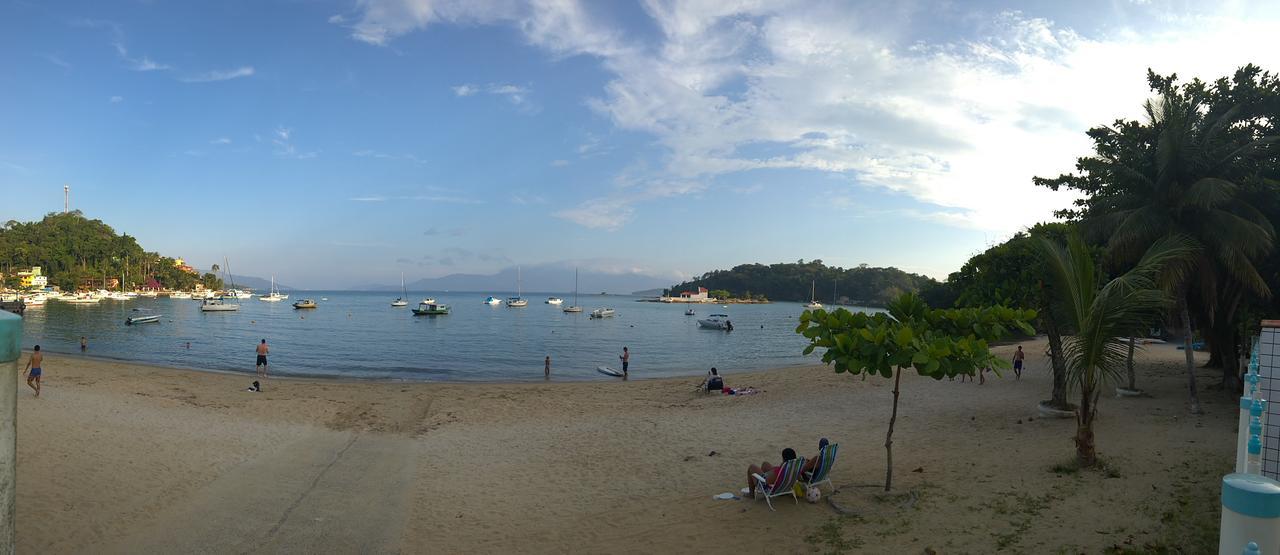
(608, 371)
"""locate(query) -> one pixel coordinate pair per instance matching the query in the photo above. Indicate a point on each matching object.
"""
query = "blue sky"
(341, 143)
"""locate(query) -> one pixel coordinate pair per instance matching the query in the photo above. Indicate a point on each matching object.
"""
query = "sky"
(337, 143)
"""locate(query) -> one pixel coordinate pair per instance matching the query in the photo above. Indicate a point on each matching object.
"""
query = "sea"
(357, 334)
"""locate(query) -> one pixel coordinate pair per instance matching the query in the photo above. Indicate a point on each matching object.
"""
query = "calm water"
(358, 334)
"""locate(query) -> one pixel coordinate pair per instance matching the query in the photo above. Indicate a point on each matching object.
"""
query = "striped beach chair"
(788, 473)
(822, 470)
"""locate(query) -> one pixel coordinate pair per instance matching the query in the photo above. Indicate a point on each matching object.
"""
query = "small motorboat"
(602, 313)
(431, 309)
(573, 309)
(689, 312)
(428, 300)
(305, 303)
(554, 300)
(148, 319)
(216, 305)
(715, 322)
(492, 301)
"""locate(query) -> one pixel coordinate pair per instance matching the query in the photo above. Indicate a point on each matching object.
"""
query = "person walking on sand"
(33, 365)
(262, 358)
(1018, 356)
(546, 369)
(625, 357)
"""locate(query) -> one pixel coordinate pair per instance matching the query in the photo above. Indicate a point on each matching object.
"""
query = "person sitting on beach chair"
(768, 471)
(714, 381)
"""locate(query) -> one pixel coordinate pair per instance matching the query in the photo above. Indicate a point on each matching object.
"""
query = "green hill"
(863, 285)
(72, 249)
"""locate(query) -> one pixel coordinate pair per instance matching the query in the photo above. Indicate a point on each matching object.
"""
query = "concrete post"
(10, 351)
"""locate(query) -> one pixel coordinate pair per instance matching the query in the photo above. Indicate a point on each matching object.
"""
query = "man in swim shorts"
(1017, 362)
(262, 359)
(626, 360)
(33, 364)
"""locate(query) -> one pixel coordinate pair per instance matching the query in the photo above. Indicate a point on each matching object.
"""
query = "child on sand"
(33, 365)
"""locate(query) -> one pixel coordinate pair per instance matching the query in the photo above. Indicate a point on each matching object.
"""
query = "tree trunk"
(888, 437)
(1191, 360)
(1086, 451)
(1129, 365)
(1051, 330)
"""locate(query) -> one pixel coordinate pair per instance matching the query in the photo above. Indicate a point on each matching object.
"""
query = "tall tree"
(1178, 173)
(1104, 315)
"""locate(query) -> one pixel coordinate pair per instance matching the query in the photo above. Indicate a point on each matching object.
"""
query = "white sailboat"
(575, 308)
(217, 305)
(517, 301)
(813, 300)
(404, 294)
(274, 296)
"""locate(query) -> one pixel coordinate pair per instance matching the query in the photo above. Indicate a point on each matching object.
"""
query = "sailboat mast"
(575, 287)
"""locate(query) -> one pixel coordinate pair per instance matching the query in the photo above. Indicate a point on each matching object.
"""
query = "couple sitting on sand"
(772, 473)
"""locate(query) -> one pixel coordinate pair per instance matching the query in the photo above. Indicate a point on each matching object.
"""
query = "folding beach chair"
(822, 470)
(788, 473)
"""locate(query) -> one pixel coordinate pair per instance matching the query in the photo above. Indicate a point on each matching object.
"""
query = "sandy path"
(323, 492)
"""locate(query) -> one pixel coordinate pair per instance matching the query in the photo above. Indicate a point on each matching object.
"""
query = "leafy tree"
(719, 294)
(1182, 172)
(937, 343)
(863, 285)
(1103, 315)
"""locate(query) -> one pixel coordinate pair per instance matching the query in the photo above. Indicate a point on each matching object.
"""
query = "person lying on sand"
(767, 470)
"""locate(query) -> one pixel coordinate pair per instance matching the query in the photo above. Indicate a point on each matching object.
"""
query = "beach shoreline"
(120, 457)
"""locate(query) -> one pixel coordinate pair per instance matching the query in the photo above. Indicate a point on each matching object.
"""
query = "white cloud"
(218, 75)
(116, 99)
(220, 141)
(337, 19)
(368, 199)
(57, 61)
(465, 90)
(285, 147)
(961, 126)
(514, 94)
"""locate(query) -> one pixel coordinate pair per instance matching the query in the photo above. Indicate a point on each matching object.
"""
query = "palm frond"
(1210, 192)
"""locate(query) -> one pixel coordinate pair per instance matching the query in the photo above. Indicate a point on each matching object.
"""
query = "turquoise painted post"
(10, 351)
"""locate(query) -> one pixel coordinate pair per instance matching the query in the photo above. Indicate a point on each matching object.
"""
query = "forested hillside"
(862, 285)
(70, 248)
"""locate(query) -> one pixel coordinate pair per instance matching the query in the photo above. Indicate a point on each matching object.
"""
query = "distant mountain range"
(258, 284)
(545, 279)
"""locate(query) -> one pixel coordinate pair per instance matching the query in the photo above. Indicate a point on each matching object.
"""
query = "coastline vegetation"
(791, 282)
(76, 252)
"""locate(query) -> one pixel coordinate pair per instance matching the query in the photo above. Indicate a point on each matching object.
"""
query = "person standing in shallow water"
(546, 370)
(625, 357)
(84, 343)
(262, 359)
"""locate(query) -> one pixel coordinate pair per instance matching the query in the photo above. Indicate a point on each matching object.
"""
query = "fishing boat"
(305, 303)
(403, 299)
(492, 301)
(274, 296)
(554, 301)
(813, 300)
(239, 294)
(575, 308)
(218, 305)
(147, 319)
(517, 301)
(715, 322)
(431, 309)
(602, 313)
(36, 299)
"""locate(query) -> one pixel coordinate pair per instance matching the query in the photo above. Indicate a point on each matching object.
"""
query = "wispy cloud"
(438, 198)
(218, 75)
(116, 99)
(367, 153)
(57, 61)
(220, 141)
(13, 166)
(559, 163)
(282, 137)
(368, 199)
(515, 94)
(137, 64)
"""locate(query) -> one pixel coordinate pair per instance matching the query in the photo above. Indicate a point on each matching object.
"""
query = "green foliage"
(937, 343)
(719, 294)
(862, 285)
(70, 249)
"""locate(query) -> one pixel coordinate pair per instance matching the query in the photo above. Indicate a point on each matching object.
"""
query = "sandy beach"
(123, 458)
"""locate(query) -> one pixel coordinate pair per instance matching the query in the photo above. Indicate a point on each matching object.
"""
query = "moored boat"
(218, 305)
(148, 319)
(305, 303)
(517, 301)
(492, 301)
(716, 322)
(602, 313)
(554, 301)
(431, 309)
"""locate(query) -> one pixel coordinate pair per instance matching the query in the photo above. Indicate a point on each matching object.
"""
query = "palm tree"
(1103, 316)
(1183, 186)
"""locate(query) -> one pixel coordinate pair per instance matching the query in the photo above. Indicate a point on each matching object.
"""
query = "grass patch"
(830, 537)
